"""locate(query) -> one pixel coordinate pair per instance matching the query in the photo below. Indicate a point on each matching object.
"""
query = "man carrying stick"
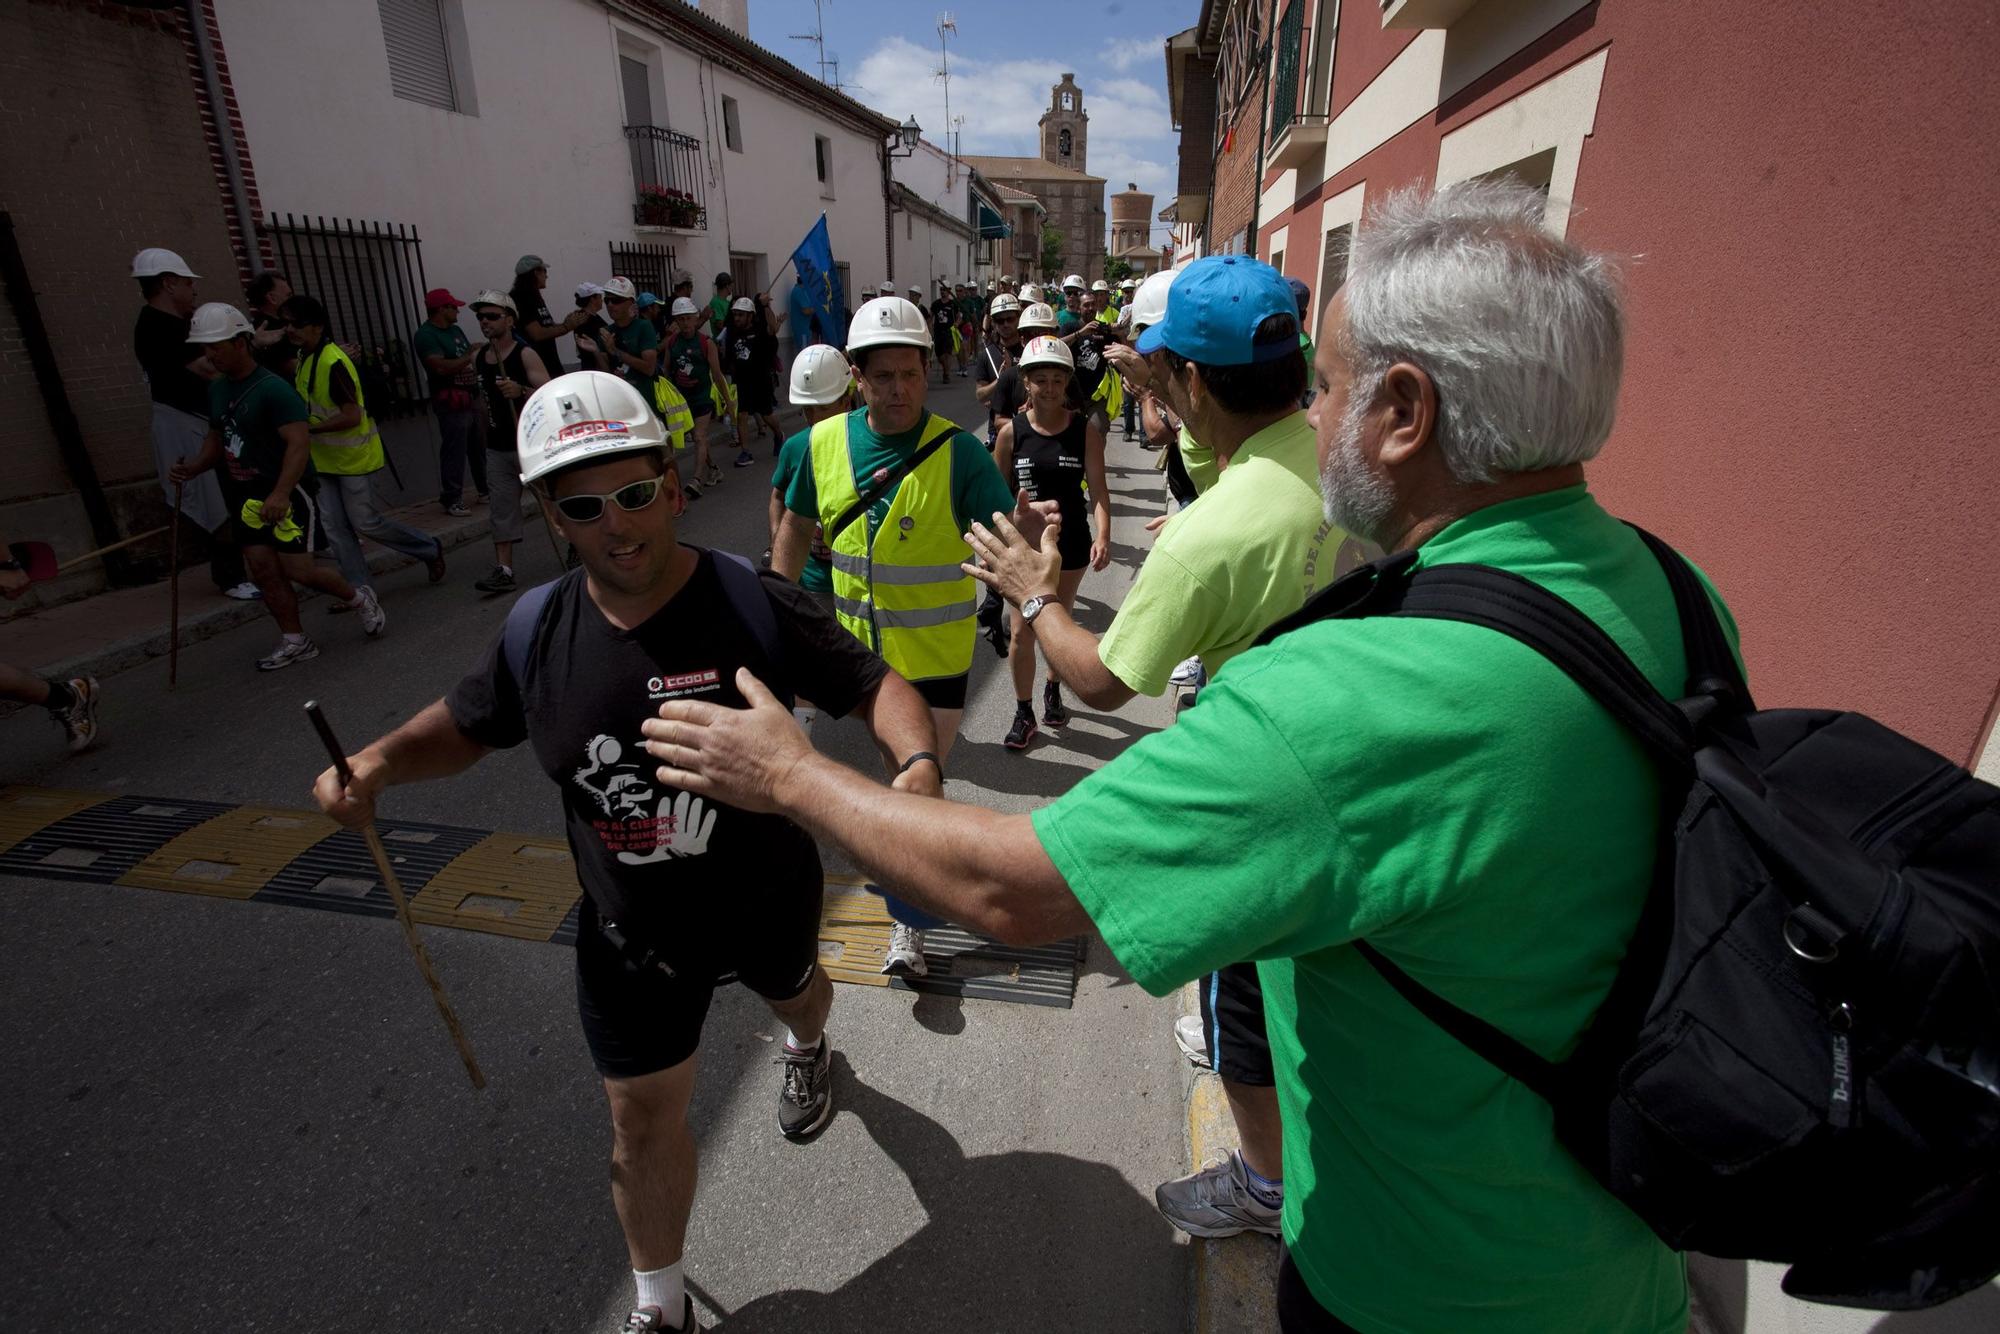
(679, 892)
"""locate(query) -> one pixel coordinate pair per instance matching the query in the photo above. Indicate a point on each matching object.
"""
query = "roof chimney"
(731, 14)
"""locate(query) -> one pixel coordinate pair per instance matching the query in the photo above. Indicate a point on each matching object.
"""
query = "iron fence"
(1290, 40)
(649, 266)
(666, 178)
(370, 278)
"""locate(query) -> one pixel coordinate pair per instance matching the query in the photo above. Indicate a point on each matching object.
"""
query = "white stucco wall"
(543, 166)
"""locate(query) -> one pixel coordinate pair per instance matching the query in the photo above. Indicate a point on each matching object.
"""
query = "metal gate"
(649, 265)
(370, 278)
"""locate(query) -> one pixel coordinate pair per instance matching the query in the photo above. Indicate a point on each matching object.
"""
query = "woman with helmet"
(1050, 450)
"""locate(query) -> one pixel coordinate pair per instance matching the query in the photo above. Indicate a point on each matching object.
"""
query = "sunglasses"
(298, 324)
(485, 315)
(589, 509)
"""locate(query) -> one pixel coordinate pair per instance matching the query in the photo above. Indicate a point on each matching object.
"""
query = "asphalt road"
(236, 1116)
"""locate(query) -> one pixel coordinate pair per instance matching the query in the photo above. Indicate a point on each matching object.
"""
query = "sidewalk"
(123, 627)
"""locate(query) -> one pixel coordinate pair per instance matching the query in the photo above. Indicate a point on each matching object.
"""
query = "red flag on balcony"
(1229, 140)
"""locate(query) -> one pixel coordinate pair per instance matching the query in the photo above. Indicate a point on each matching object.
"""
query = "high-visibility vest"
(899, 590)
(355, 450)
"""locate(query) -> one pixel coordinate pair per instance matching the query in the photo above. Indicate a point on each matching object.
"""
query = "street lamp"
(907, 135)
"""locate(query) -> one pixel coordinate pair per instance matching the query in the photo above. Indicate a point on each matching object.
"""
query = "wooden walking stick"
(174, 594)
(395, 887)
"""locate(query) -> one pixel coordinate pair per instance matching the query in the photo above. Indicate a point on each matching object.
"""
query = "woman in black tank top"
(1052, 451)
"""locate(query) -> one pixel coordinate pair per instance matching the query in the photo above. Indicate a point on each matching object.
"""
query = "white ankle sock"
(291, 638)
(662, 1288)
(792, 1041)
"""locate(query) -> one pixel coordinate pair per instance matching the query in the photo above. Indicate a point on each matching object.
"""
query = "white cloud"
(1125, 54)
(1131, 134)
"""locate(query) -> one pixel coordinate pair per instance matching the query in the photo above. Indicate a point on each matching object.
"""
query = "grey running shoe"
(1189, 673)
(1215, 1202)
(1192, 1038)
(373, 619)
(806, 1101)
(288, 653)
(243, 592)
(457, 510)
(906, 953)
(79, 720)
(500, 581)
(649, 1319)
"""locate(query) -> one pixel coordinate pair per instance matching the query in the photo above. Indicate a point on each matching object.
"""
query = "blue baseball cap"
(1214, 308)
(647, 299)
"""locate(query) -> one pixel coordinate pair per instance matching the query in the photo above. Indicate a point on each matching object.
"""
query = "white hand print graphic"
(686, 836)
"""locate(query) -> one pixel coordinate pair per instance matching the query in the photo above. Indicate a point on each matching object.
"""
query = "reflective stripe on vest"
(899, 589)
(357, 450)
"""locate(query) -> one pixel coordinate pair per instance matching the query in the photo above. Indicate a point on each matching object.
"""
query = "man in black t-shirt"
(750, 359)
(944, 319)
(679, 891)
(1001, 350)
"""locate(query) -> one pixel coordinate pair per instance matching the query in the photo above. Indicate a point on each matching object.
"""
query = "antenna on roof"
(947, 26)
(818, 38)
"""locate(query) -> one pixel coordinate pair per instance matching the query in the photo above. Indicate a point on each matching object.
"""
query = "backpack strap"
(519, 631)
(1711, 665)
(744, 588)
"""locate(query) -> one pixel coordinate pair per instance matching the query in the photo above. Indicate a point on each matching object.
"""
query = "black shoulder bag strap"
(1514, 606)
(883, 482)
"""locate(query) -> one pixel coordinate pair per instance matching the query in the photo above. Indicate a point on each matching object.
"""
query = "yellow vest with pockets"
(344, 453)
(900, 590)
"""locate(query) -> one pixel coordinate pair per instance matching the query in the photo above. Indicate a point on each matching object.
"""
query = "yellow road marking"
(233, 855)
(27, 811)
(505, 884)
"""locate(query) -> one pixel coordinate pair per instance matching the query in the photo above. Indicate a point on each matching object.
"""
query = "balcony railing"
(1287, 50)
(666, 178)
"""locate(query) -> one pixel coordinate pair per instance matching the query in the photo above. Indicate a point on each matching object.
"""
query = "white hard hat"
(1038, 316)
(492, 298)
(887, 289)
(153, 261)
(1100, 286)
(217, 322)
(1047, 352)
(584, 291)
(584, 415)
(744, 304)
(1149, 304)
(888, 321)
(1128, 284)
(820, 375)
(1074, 280)
(1002, 304)
(621, 289)
(684, 306)
(1030, 293)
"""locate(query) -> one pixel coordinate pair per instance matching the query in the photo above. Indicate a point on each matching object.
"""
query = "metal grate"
(1287, 53)
(667, 179)
(338, 874)
(649, 266)
(370, 278)
(107, 841)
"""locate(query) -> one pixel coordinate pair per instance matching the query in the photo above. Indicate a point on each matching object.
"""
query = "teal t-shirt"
(977, 488)
(687, 361)
(449, 343)
(1447, 793)
(1068, 321)
(816, 576)
(249, 413)
(637, 338)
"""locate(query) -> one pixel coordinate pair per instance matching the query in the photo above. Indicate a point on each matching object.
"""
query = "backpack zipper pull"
(1843, 1097)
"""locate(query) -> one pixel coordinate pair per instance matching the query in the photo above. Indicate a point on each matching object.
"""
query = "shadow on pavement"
(1001, 1249)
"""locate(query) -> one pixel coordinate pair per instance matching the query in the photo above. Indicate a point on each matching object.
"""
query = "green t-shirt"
(1068, 321)
(718, 312)
(1203, 468)
(1447, 793)
(687, 361)
(1247, 553)
(817, 574)
(977, 488)
(637, 338)
(450, 344)
(248, 414)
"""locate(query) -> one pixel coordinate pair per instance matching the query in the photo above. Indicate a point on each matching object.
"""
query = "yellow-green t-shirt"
(1245, 554)
(1447, 793)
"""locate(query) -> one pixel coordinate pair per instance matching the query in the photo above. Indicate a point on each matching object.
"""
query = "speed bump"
(233, 855)
(29, 810)
(507, 884)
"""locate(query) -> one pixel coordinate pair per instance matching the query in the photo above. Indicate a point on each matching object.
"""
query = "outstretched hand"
(736, 756)
(1010, 563)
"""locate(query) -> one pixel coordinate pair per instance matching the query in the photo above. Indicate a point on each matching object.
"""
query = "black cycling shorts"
(641, 1019)
(1232, 1015)
(944, 692)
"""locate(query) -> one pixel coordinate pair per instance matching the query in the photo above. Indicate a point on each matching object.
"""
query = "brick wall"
(1236, 179)
(103, 152)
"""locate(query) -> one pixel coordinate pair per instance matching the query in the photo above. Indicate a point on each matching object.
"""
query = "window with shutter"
(1333, 262)
(419, 56)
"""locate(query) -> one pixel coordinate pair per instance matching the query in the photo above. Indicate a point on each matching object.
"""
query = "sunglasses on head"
(589, 509)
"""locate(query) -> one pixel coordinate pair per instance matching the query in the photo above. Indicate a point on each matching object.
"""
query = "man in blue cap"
(1227, 359)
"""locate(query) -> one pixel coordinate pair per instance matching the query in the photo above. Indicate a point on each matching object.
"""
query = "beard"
(1355, 499)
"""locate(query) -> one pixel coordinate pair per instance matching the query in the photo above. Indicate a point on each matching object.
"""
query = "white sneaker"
(244, 592)
(1191, 1036)
(288, 653)
(906, 953)
(373, 619)
(1189, 673)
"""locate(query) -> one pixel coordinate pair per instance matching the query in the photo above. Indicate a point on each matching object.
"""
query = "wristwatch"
(1033, 607)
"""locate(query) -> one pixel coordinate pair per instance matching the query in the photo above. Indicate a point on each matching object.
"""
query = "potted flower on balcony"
(682, 209)
(656, 206)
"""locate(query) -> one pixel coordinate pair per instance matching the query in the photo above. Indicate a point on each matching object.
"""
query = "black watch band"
(919, 756)
(9, 563)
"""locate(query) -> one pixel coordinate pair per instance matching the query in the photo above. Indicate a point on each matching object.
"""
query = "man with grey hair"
(1433, 788)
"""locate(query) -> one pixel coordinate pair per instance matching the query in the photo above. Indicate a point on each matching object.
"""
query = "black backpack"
(1799, 1060)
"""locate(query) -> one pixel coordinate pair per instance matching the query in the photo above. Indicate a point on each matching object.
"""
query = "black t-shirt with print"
(531, 309)
(160, 342)
(1090, 362)
(671, 868)
(944, 314)
(749, 356)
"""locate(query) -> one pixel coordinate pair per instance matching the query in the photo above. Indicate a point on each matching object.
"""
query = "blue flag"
(819, 284)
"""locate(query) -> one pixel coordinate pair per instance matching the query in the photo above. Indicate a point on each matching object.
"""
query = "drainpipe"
(1263, 130)
(888, 213)
(225, 134)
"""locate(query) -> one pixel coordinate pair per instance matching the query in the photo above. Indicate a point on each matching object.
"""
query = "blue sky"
(1004, 59)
